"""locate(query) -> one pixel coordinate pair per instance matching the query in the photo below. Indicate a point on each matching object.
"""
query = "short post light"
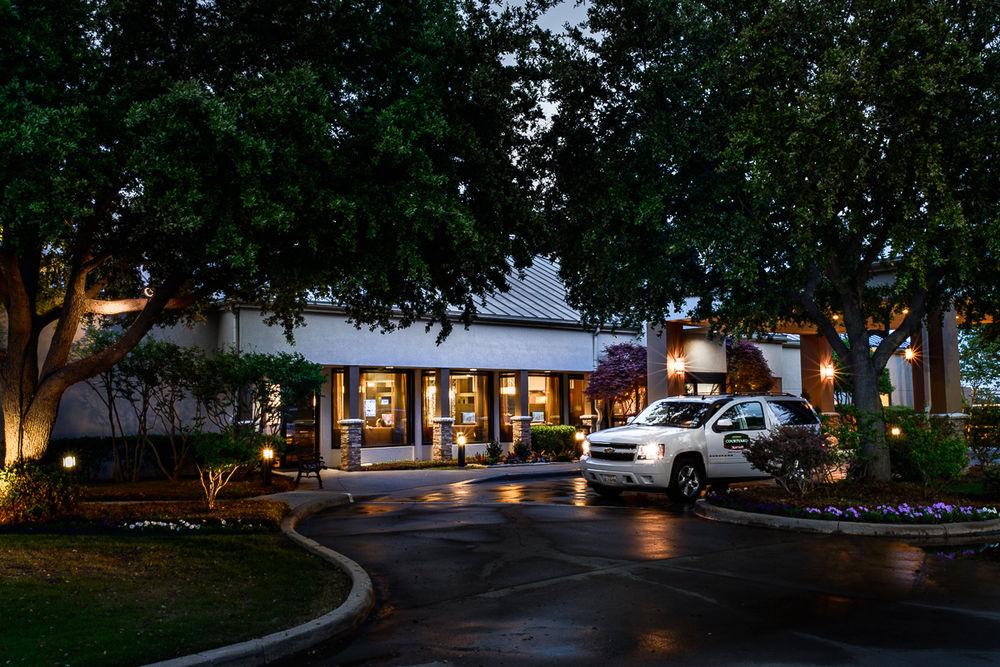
(895, 431)
(267, 459)
(69, 462)
(580, 438)
(460, 441)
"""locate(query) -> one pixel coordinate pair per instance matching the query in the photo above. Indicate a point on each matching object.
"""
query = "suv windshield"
(684, 414)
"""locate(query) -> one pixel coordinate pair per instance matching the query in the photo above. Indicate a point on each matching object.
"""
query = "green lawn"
(123, 599)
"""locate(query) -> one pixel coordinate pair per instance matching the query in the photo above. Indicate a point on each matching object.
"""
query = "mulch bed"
(182, 489)
(846, 494)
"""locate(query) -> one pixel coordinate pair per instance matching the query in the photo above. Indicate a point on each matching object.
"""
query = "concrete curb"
(331, 625)
(706, 510)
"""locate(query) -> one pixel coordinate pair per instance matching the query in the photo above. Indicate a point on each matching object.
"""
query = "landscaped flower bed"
(923, 513)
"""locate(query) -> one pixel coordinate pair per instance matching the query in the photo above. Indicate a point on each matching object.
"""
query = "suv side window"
(793, 413)
(745, 416)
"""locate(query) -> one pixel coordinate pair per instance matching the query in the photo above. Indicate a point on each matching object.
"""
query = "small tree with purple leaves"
(620, 377)
(747, 369)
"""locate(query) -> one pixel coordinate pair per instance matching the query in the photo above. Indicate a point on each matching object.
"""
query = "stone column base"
(522, 431)
(589, 423)
(350, 456)
(442, 439)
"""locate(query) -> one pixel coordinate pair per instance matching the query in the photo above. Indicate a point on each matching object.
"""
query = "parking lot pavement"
(544, 572)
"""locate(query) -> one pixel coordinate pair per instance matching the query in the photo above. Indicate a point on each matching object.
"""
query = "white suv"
(680, 444)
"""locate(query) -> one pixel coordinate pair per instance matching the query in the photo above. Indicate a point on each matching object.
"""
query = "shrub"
(31, 494)
(521, 451)
(556, 442)
(991, 480)
(796, 457)
(983, 433)
(494, 450)
(219, 456)
(926, 451)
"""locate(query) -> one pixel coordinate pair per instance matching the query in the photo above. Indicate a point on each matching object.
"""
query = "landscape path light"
(460, 441)
(267, 455)
(69, 462)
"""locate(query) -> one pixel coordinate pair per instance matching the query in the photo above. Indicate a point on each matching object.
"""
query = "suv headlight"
(586, 447)
(651, 452)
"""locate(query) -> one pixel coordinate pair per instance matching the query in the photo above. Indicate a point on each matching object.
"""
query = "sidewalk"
(385, 482)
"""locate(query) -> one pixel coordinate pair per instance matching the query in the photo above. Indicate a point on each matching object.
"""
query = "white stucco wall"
(329, 339)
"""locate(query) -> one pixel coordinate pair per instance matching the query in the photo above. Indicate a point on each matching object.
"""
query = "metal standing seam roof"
(540, 295)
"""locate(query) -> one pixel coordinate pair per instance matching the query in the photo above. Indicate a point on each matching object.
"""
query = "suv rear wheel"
(687, 480)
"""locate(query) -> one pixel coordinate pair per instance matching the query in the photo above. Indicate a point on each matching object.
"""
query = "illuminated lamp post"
(267, 457)
(460, 441)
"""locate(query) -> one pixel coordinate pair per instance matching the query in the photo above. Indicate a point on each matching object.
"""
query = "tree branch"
(122, 306)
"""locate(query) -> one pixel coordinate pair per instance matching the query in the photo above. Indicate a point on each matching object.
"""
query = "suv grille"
(597, 452)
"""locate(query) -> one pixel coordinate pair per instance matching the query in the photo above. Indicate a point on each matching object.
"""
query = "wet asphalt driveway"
(544, 572)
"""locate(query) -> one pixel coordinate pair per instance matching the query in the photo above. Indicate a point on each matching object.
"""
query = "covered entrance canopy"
(933, 362)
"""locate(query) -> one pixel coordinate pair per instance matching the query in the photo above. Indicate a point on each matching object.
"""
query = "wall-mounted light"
(827, 371)
(675, 366)
(910, 354)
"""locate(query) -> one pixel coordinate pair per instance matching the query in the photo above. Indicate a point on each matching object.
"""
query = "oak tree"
(830, 165)
(159, 156)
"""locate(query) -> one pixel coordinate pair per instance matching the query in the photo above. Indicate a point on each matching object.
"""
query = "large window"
(469, 396)
(384, 408)
(470, 405)
(579, 405)
(508, 406)
(544, 405)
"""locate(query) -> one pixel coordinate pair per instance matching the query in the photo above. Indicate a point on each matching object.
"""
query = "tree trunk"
(871, 423)
(26, 429)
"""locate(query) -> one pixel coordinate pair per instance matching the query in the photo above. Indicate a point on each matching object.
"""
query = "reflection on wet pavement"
(567, 491)
(547, 572)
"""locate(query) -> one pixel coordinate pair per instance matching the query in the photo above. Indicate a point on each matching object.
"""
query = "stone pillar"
(589, 423)
(441, 445)
(522, 430)
(814, 354)
(350, 451)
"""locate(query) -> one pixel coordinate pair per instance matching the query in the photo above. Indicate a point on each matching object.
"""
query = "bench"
(309, 464)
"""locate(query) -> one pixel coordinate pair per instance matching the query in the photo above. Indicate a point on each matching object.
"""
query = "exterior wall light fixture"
(910, 354)
(827, 371)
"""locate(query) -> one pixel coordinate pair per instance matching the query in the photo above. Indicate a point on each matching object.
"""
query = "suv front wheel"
(687, 480)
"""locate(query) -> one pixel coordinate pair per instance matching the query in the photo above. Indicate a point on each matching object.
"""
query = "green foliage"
(927, 450)
(991, 480)
(979, 356)
(494, 450)
(983, 433)
(250, 388)
(369, 153)
(31, 494)
(796, 457)
(556, 442)
(219, 456)
(763, 162)
(522, 451)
